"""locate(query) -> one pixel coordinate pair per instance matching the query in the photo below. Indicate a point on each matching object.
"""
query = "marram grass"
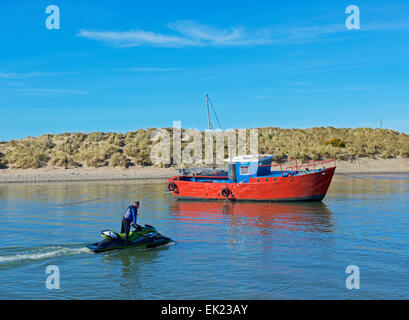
(99, 149)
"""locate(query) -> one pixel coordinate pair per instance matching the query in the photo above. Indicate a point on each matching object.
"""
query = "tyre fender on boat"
(173, 187)
(225, 192)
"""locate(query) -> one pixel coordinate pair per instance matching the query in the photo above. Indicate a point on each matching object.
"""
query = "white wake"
(43, 253)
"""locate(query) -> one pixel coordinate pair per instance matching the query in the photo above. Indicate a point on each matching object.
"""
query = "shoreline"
(358, 166)
(84, 174)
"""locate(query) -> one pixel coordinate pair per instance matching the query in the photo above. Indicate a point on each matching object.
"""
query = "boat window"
(244, 170)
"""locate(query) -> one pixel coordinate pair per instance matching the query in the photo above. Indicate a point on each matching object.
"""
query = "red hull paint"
(306, 187)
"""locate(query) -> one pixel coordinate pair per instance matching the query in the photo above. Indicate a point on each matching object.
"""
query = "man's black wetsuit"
(129, 217)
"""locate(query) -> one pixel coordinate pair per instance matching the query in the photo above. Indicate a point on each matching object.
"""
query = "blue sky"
(124, 65)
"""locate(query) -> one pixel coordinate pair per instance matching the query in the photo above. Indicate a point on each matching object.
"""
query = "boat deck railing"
(311, 165)
(289, 166)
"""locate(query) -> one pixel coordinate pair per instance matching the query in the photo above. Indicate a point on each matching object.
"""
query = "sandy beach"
(365, 165)
(84, 174)
(108, 173)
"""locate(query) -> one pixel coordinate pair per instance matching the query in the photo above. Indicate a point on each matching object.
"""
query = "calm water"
(222, 250)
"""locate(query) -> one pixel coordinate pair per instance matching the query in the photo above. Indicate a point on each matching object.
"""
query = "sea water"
(220, 250)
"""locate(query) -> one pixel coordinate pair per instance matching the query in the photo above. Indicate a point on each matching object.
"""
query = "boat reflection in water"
(306, 216)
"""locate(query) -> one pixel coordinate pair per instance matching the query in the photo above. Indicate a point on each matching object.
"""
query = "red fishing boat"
(255, 178)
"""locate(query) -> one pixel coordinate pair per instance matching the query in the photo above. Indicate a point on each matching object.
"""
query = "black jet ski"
(143, 237)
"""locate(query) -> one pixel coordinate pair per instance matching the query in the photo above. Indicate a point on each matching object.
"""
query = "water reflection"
(370, 186)
(133, 267)
(310, 216)
(73, 193)
(131, 259)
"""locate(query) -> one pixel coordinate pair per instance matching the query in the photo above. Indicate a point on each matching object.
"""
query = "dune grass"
(99, 149)
(3, 161)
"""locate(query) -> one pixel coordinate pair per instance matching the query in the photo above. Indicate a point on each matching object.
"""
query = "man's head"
(136, 204)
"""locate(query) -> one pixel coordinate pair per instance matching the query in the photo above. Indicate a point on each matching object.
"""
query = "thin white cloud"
(182, 34)
(15, 75)
(210, 35)
(41, 90)
(154, 69)
(262, 97)
(189, 33)
(309, 34)
(6, 75)
(332, 89)
(135, 38)
(386, 26)
(299, 83)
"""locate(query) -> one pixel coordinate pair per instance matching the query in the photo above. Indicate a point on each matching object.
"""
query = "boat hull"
(306, 187)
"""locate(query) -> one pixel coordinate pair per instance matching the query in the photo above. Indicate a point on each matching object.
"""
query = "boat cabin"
(242, 168)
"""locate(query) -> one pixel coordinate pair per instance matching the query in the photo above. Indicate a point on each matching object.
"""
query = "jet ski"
(143, 237)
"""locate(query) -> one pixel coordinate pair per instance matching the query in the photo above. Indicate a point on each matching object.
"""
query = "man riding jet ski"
(146, 236)
(129, 219)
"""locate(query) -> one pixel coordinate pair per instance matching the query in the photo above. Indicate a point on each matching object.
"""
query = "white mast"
(208, 113)
(210, 127)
